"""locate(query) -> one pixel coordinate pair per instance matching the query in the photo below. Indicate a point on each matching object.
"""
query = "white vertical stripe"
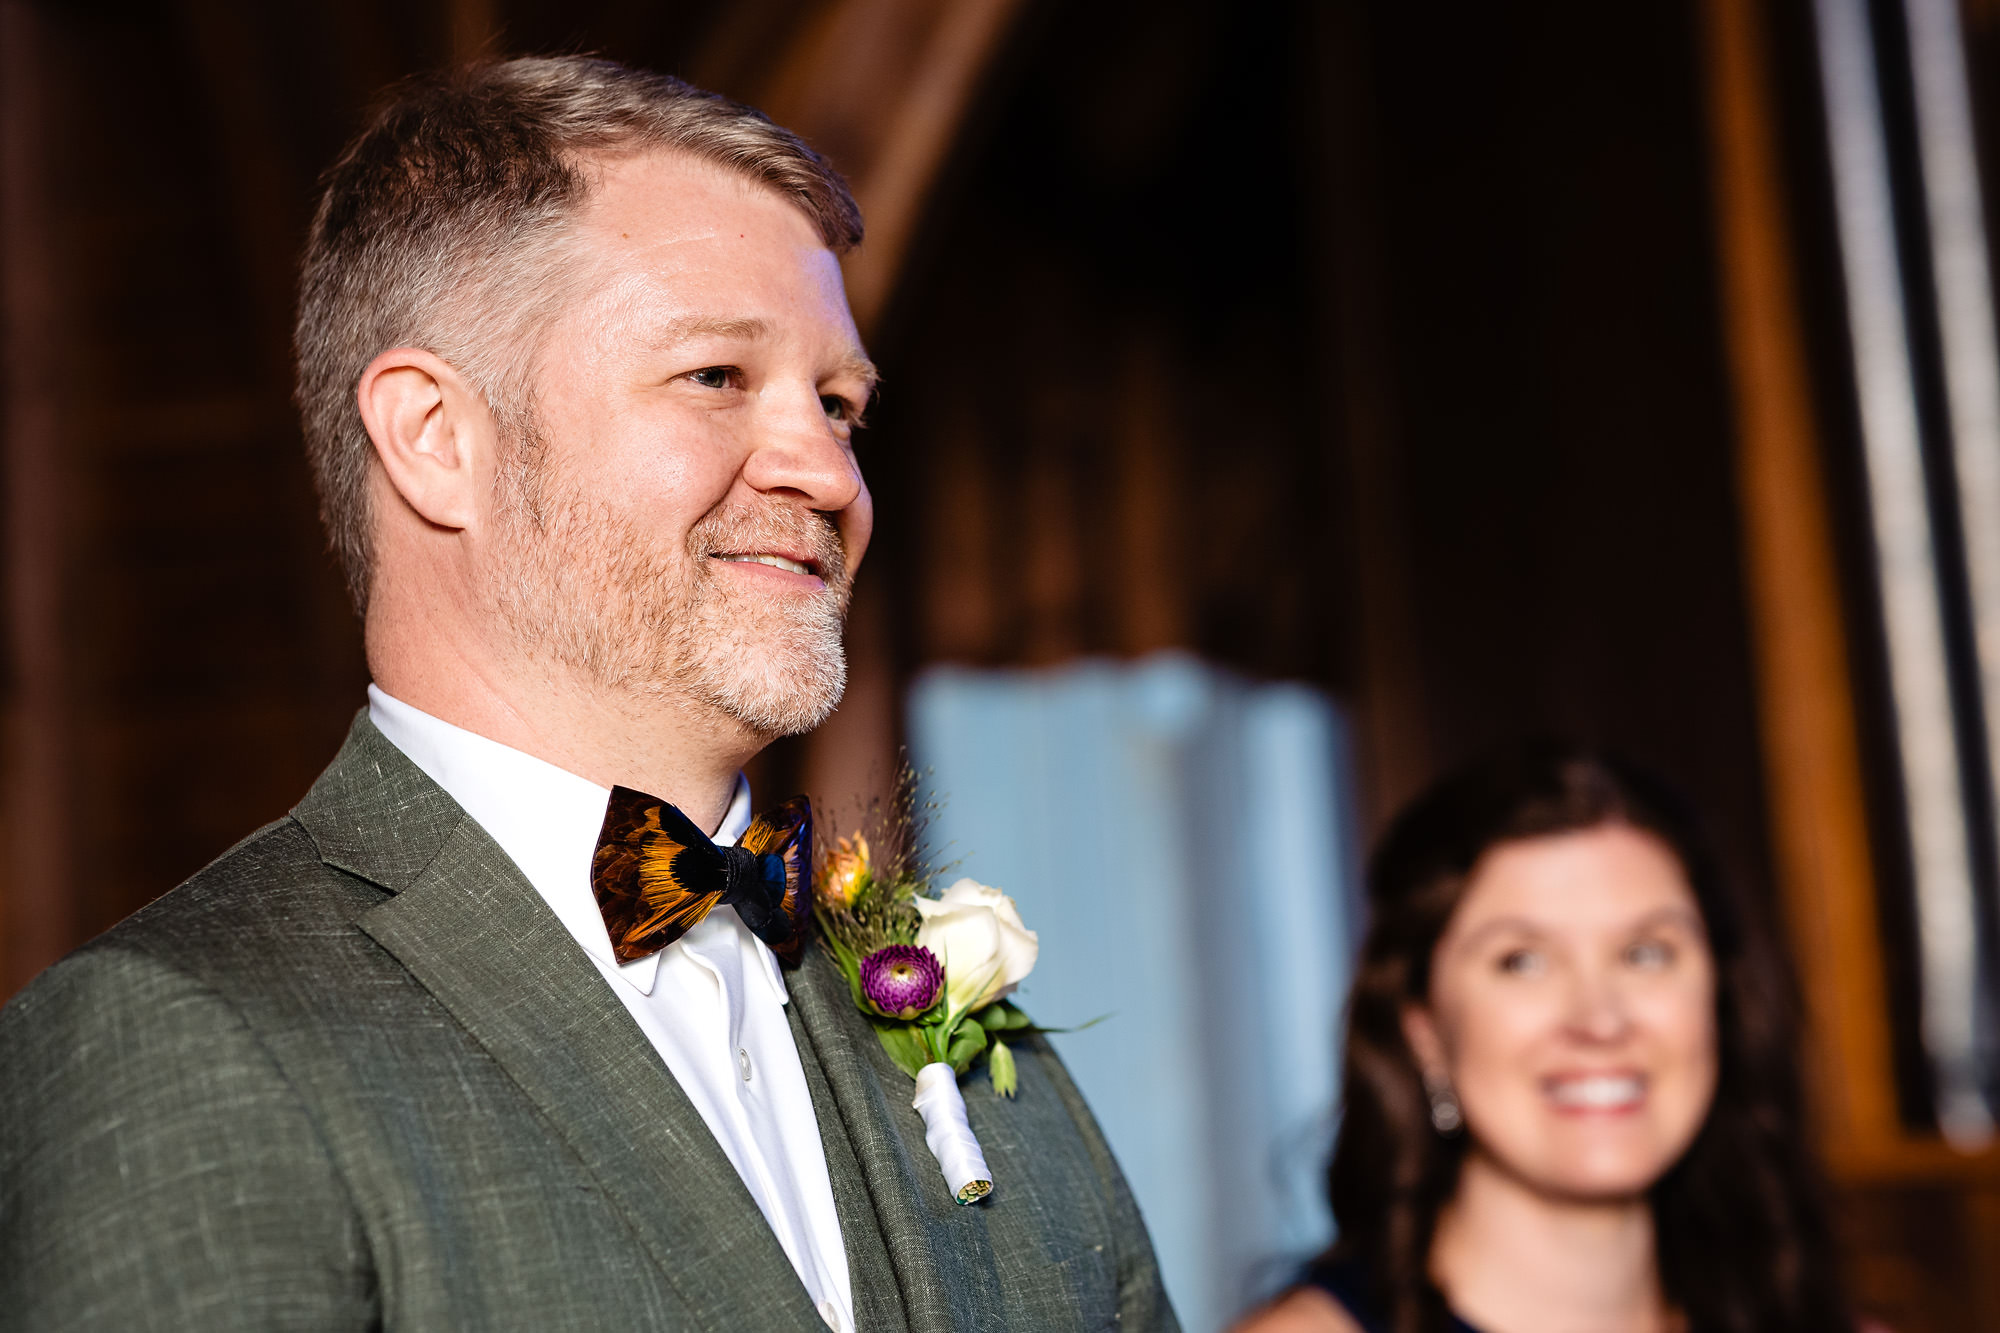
(1906, 565)
(1964, 282)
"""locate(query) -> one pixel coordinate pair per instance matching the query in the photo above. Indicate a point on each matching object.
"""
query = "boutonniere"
(932, 973)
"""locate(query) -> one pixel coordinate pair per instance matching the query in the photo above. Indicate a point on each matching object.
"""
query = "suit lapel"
(878, 1301)
(475, 934)
(942, 1257)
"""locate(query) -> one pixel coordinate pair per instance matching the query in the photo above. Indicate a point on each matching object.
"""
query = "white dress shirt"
(712, 1003)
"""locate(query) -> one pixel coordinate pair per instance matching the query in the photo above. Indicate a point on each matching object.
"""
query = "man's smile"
(790, 566)
(775, 561)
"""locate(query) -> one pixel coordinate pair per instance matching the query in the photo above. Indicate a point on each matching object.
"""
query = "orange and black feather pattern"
(649, 887)
(786, 831)
(656, 875)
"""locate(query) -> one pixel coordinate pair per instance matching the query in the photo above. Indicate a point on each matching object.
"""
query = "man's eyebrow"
(690, 327)
(853, 363)
(856, 365)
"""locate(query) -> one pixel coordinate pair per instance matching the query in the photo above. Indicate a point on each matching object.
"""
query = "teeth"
(1598, 1092)
(774, 561)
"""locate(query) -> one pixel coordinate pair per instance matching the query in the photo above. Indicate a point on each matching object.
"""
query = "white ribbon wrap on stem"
(949, 1135)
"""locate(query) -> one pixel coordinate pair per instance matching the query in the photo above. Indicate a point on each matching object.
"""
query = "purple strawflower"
(902, 980)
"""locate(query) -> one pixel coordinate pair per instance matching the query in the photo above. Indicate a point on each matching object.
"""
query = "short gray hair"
(440, 226)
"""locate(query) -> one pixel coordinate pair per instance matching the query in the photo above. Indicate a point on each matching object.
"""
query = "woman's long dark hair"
(1743, 1240)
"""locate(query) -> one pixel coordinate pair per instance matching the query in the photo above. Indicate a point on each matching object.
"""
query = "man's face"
(685, 517)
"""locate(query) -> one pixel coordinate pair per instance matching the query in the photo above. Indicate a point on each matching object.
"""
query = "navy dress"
(1346, 1283)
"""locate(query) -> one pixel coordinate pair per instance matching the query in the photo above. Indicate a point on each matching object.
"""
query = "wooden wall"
(1469, 363)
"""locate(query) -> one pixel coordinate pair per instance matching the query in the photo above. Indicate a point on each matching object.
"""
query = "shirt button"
(831, 1314)
(743, 1062)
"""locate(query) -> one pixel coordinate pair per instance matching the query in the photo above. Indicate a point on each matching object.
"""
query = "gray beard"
(588, 591)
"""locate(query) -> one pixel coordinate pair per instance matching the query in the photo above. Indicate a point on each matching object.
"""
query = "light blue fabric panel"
(1180, 839)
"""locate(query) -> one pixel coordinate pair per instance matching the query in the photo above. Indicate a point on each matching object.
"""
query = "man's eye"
(713, 377)
(1522, 963)
(839, 409)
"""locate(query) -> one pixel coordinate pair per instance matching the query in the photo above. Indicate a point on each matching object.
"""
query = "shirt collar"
(545, 818)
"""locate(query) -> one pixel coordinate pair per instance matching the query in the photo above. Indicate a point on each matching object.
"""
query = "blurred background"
(1283, 401)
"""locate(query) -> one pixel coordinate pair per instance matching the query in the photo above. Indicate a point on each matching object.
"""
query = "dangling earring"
(1446, 1117)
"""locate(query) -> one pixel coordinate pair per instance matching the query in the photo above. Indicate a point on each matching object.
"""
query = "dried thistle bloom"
(901, 980)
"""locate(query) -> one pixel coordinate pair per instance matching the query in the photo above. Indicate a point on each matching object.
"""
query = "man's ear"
(1420, 1031)
(432, 432)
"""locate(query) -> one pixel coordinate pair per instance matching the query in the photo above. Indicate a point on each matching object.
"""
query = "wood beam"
(1806, 698)
(886, 86)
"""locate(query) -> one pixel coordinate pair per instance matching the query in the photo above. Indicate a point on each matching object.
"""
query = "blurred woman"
(1572, 1087)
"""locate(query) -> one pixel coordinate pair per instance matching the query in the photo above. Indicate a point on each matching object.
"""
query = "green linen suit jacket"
(355, 1074)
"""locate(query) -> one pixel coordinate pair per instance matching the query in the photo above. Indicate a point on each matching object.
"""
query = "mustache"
(808, 532)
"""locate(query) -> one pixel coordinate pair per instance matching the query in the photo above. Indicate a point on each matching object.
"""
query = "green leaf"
(904, 1046)
(1080, 1027)
(934, 1029)
(966, 1044)
(843, 956)
(1002, 1016)
(852, 968)
(1000, 1064)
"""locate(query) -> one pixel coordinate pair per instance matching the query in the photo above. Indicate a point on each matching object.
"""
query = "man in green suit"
(579, 384)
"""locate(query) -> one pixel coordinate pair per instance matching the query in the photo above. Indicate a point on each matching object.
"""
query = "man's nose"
(797, 449)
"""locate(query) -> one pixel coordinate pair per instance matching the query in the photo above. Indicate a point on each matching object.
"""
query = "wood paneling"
(1806, 701)
(884, 88)
(37, 914)
(1921, 1219)
(1397, 752)
(1329, 342)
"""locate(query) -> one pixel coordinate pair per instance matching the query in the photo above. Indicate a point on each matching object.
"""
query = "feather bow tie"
(656, 875)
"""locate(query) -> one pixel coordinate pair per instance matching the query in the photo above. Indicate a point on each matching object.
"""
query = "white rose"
(977, 933)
